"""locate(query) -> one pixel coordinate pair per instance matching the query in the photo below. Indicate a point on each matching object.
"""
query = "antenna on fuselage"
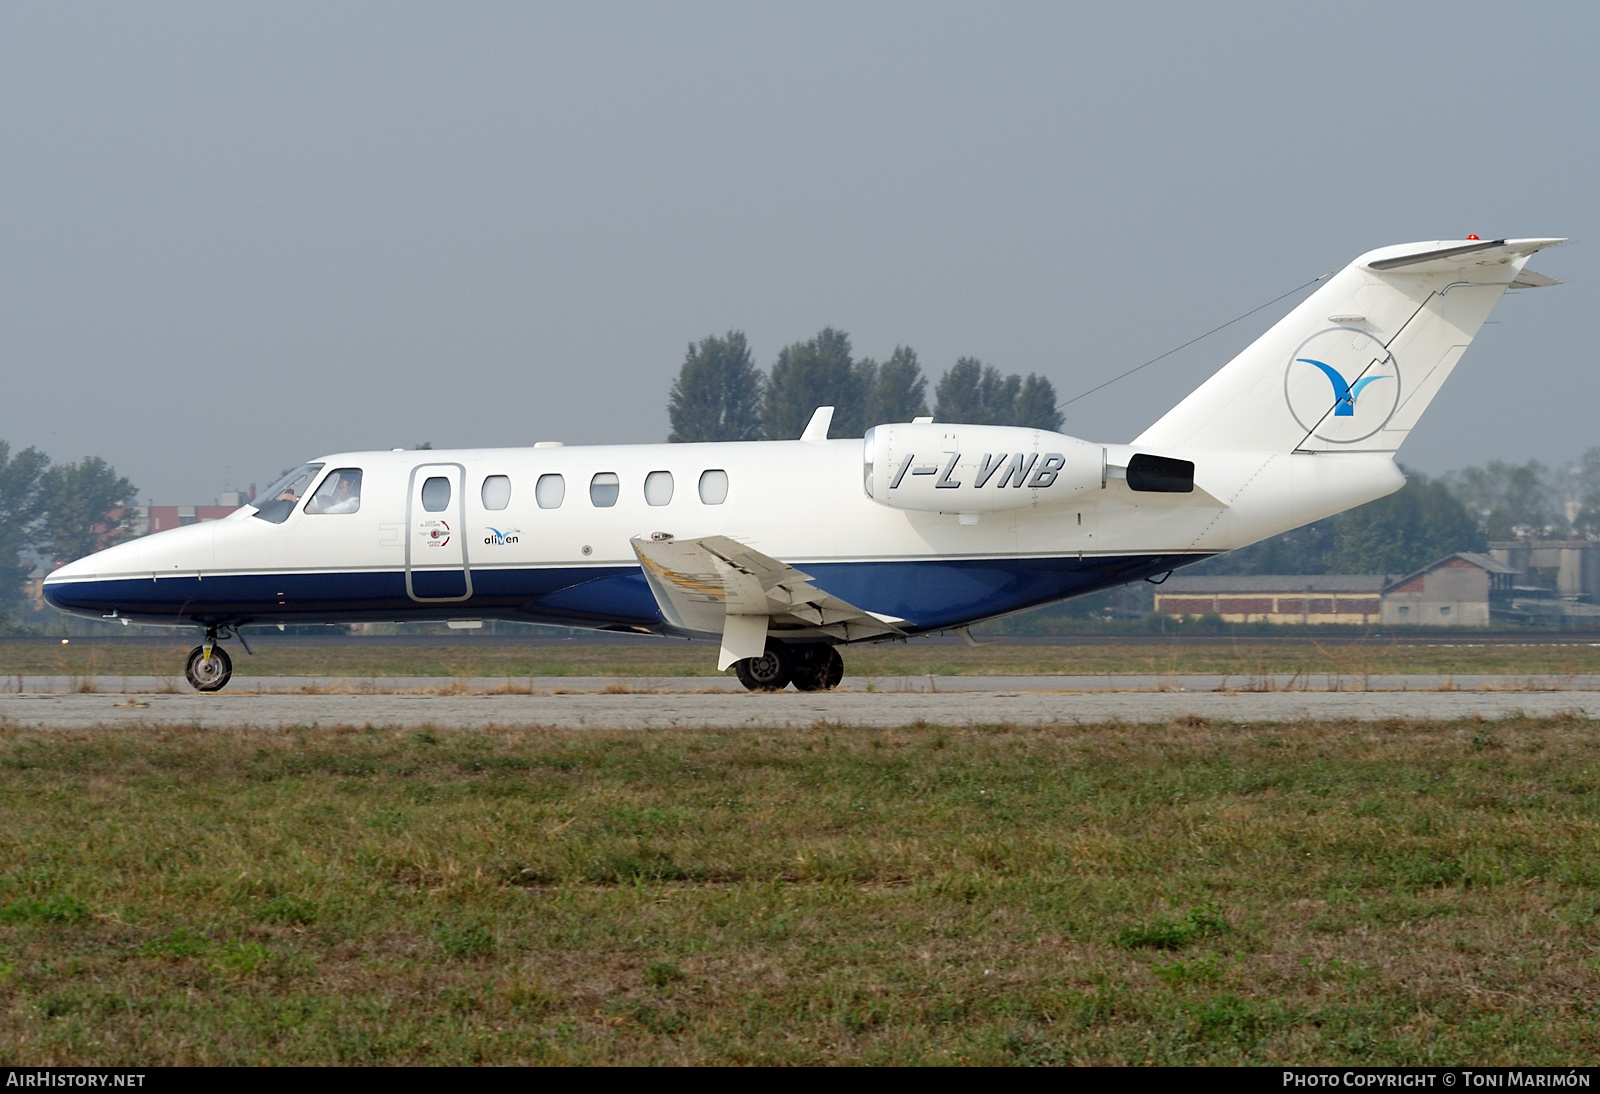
(816, 430)
(1196, 338)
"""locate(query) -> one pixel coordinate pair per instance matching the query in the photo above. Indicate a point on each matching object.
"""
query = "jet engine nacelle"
(976, 468)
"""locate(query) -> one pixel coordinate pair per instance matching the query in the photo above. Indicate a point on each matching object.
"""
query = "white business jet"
(786, 550)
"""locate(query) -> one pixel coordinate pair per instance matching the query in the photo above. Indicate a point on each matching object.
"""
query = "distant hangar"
(1455, 591)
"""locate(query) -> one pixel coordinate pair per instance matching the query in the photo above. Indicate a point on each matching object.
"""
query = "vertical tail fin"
(1354, 366)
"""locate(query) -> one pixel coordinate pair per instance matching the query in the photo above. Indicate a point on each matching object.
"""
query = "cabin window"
(1444, 609)
(604, 488)
(714, 487)
(496, 491)
(436, 494)
(658, 487)
(550, 491)
(340, 492)
(277, 501)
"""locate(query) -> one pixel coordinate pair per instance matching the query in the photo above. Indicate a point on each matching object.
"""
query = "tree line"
(722, 395)
(58, 511)
(67, 510)
(1419, 523)
(1429, 518)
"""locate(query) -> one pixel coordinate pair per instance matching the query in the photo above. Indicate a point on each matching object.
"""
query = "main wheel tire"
(212, 675)
(817, 667)
(832, 673)
(772, 671)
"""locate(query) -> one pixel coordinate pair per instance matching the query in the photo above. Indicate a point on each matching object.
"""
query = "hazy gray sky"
(235, 236)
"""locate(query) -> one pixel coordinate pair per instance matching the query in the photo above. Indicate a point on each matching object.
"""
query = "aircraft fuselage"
(568, 560)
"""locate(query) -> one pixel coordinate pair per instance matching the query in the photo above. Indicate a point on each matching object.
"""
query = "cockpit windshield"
(277, 501)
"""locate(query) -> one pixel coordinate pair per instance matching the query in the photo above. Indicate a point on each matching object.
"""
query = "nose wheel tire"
(208, 675)
(772, 671)
(817, 668)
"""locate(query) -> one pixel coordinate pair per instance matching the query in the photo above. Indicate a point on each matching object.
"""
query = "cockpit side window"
(340, 492)
(277, 501)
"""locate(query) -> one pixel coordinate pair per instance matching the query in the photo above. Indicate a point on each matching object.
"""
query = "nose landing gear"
(209, 667)
(811, 666)
(209, 673)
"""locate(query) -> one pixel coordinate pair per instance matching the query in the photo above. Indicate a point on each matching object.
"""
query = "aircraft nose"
(63, 586)
(70, 592)
(72, 571)
(83, 586)
(59, 596)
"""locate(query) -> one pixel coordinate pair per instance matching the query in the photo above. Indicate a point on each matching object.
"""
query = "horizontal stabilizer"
(1445, 257)
(717, 586)
(1528, 279)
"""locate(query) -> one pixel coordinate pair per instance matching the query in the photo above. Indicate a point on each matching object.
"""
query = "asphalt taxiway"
(641, 703)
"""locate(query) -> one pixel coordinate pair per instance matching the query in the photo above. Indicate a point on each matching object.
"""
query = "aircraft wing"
(717, 585)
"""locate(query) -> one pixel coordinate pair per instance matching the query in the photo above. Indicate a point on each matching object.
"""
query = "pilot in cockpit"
(339, 493)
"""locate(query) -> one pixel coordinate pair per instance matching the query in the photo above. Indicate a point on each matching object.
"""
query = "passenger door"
(436, 541)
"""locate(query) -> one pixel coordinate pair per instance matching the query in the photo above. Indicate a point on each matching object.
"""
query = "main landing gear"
(810, 666)
(209, 667)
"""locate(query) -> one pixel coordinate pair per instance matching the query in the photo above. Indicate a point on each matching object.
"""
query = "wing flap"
(718, 586)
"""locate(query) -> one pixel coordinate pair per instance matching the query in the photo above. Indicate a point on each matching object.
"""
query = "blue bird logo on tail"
(1344, 394)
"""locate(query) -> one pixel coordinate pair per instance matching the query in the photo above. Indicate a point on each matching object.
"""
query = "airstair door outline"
(437, 569)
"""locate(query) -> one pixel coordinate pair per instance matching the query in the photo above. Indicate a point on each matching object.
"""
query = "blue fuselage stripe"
(929, 595)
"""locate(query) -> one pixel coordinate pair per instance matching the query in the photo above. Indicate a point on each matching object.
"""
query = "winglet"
(817, 428)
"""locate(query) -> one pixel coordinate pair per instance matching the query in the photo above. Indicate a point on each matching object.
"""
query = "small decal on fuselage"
(434, 533)
(497, 538)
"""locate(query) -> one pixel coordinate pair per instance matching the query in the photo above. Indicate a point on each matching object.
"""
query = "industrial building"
(1568, 567)
(1557, 581)
(1275, 598)
(1460, 590)
(1455, 591)
(135, 520)
(140, 520)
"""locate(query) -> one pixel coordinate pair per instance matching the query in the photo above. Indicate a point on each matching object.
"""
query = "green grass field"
(1312, 893)
(464, 657)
